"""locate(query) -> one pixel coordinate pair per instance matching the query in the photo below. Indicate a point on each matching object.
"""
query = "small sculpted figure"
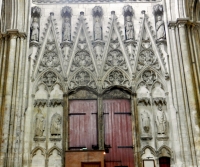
(129, 30)
(161, 121)
(160, 28)
(66, 29)
(97, 29)
(56, 125)
(145, 121)
(39, 124)
(35, 30)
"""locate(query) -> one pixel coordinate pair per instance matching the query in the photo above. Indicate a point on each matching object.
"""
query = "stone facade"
(54, 51)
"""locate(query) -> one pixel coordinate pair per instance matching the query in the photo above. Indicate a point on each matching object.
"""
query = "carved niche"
(116, 77)
(97, 15)
(82, 78)
(39, 126)
(82, 59)
(146, 126)
(66, 14)
(129, 29)
(35, 26)
(162, 124)
(56, 126)
(160, 26)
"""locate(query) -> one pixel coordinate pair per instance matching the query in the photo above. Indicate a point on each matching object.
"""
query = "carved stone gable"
(115, 54)
(147, 52)
(49, 54)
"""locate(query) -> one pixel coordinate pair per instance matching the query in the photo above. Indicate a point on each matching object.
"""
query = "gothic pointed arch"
(151, 149)
(164, 151)
(82, 78)
(147, 52)
(50, 151)
(115, 54)
(116, 77)
(49, 78)
(49, 54)
(34, 151)
(82, 54)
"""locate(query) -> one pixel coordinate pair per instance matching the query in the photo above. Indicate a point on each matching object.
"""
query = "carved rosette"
(115, 59)
(49, 78)
(117, 78)
(82, 59)
(149, 77)
(50, 58)
(82, 78)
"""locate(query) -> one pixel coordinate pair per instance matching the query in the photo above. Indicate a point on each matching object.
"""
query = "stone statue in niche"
(97, 29)
(161, 121)
(35, 30)
(56, 122)
(145, 122)
(66, 29)
(39, 124)
(129, 30)
(160, 28)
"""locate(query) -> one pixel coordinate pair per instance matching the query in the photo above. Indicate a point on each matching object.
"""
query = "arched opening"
(164, 162)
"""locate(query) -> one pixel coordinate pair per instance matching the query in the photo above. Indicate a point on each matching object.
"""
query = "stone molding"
(91, 1)
(180, 22)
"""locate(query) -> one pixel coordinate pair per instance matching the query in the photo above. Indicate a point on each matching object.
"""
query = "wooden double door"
(117, 123)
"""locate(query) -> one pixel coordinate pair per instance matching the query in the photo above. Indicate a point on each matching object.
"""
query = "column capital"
(182, 22)
(13, 34)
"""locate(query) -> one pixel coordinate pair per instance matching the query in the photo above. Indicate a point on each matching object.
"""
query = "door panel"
(91, 164)
(118, 133)
(83, 123)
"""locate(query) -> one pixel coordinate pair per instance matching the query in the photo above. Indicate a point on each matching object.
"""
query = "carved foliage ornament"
(149, 77)
(116, 77)
(50, 58)
(115, 58)
(147, 58)
(82, 78)
(49, 78)
(82, 59)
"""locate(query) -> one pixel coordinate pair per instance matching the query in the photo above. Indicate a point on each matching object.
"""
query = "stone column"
(65, 126)
(190, 93)
(136, 131)
(8, 90)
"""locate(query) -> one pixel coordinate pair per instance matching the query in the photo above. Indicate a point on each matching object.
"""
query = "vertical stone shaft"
(8, 92)
(135, 131)
(65, 126)
(100, 124)
(190, 93)
(13, 105)
(173, 99)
